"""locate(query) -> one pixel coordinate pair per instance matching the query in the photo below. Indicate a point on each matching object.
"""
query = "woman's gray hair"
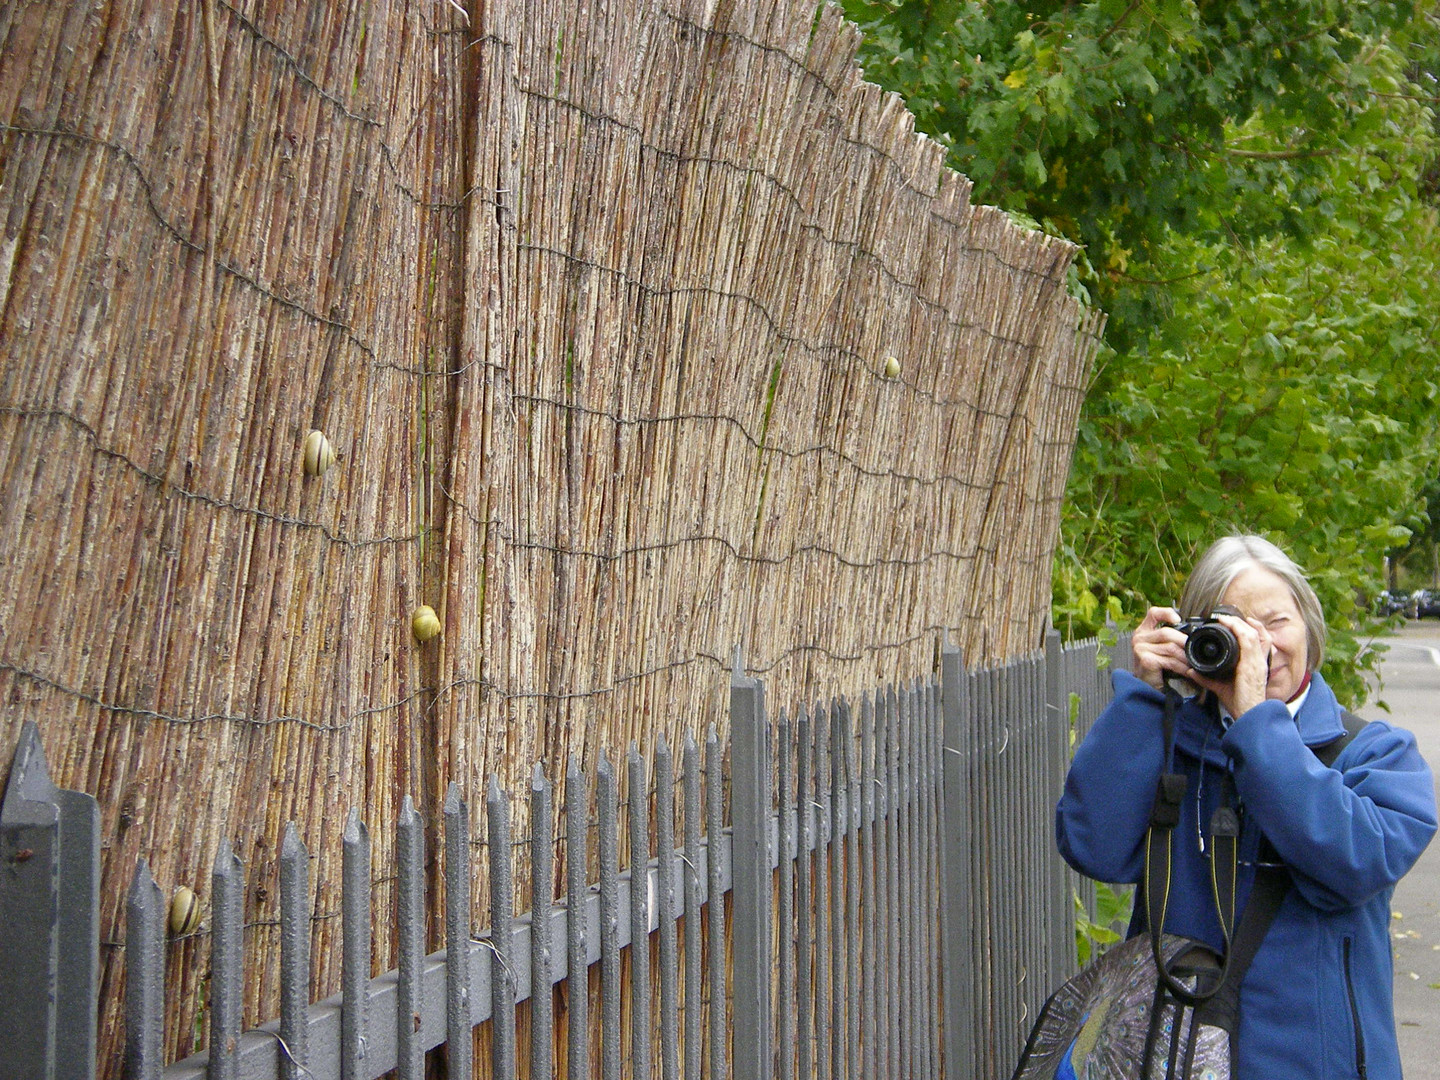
(1223, 563)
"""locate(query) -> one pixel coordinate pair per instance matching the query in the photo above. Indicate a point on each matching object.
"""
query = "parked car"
(1389, 603)
(1424, 603)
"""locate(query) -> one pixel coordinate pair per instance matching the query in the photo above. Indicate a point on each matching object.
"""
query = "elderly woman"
(1317, 1000)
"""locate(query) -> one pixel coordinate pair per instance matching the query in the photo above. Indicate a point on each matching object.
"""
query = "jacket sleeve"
(1346, 832)
(1104, 813)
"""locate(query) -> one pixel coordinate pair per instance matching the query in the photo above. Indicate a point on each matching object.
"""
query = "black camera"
(1210, 648)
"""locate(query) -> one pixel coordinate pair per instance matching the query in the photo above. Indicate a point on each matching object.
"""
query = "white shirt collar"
(1294, 706)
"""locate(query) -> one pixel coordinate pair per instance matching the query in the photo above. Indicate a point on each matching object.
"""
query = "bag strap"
(1331, 750)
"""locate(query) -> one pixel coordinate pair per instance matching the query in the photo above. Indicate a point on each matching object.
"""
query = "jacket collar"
(1320, 719)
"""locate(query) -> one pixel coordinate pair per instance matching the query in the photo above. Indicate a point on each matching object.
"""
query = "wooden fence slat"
(693, 933)
(542, 891)
(804, 898)
(896, 1016)
(577, 833)
(750, 809)
(639, 815)
(905, 825)
(665, 911)
(824, 841)
(853, 824)
(840, 929)
(607, 800)
(785, 931)
(868, 899)
(935, 841)
(715, 908)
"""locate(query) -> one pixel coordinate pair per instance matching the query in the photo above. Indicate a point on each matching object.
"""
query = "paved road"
(1411, 687)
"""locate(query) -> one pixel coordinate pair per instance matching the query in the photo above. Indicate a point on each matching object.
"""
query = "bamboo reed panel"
(594, 303)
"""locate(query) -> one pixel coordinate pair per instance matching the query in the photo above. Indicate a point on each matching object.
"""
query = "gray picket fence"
(896, 908)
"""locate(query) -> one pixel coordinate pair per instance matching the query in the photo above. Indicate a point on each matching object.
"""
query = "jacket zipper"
(1355, 1016)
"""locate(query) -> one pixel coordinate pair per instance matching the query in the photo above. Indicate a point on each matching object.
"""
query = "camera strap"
(1159, 853)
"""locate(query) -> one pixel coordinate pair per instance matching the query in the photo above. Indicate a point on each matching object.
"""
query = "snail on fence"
(184, 912)
(424, 623)
(319, 454)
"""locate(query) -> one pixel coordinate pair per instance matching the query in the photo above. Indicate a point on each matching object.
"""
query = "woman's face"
(1262, 595)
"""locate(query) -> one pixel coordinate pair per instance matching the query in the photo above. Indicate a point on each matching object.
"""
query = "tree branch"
(1277, 155)
(1117, 23)
(1161, 281)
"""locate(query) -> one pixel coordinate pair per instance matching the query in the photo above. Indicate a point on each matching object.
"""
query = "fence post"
(144, 977)
(294, 954)
(1057, 716)
(750, 814)
(459, 1040)
(639, 806)
(607, 811)
(715, 905)
(958, 981)
(49, 921)
(355, 947)
(410, 941)
(227, 962)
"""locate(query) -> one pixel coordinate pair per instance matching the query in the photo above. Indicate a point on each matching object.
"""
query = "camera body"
(1210, 648)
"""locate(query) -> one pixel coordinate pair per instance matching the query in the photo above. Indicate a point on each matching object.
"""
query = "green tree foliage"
(1417, 562)
(1248, 182)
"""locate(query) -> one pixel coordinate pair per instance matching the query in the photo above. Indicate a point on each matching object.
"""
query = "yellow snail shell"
(892, 367)
(184, 911)
(319, 454)
(425, 624)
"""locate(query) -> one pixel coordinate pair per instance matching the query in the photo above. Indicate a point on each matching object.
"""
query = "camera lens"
(1212, 650)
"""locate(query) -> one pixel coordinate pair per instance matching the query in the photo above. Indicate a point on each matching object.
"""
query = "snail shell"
(424, 624)
(319, 454)
(184, 912)
(892, 367)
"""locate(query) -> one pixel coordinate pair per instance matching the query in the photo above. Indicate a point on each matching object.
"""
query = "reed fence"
(895, 908)
(595, 303)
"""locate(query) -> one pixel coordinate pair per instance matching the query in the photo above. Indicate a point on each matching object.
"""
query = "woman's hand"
(1157, 647)
(1246, 688)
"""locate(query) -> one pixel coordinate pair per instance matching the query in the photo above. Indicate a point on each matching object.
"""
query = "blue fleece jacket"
(1317, 1001)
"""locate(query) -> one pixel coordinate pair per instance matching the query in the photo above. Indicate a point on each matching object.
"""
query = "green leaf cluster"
(1252, 183)
(1094, 934)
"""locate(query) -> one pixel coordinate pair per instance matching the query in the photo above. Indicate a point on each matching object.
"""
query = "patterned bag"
(1117, 1020)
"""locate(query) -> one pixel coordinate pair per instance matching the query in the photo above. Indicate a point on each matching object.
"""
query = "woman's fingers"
(1157, 616)
(1157, 647)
